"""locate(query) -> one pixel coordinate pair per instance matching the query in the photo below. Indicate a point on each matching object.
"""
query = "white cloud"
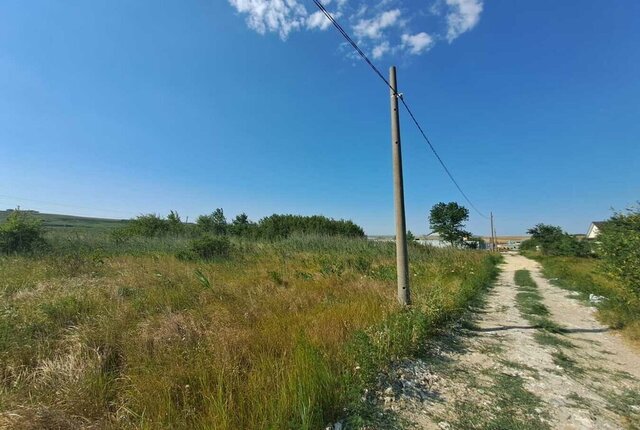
(318, 20)
(381, 49)
(381, 27)
(278, 16)
(462, 17)
(417, 43)
(372, 28)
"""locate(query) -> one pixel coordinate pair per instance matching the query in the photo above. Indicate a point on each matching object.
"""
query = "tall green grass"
(283, 334)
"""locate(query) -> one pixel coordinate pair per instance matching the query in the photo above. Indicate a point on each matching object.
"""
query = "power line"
(342, 31)
(355, 46)
(444, 166)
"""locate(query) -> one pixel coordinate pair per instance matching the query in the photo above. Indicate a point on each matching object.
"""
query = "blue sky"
(115, 108)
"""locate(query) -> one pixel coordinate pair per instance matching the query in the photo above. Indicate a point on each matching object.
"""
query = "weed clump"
(207, 247)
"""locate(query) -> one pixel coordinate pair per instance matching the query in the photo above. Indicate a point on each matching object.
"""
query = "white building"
(594, 229)
(433, 239)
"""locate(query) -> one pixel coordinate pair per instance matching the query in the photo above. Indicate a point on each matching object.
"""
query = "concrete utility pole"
(402, 260)
(493, 238)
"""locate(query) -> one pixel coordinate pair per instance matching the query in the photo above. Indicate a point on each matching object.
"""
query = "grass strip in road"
(546, 338)
(568, 364)
(529, 302)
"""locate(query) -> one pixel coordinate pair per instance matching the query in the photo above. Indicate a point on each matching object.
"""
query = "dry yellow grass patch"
(281, 336)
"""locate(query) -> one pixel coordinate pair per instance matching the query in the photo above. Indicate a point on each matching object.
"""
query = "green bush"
(21, 233)
(552, 240)
(283, 226)
(207, 247)
(528, 245)
(149, 225)
(570, 246)
(619, 249)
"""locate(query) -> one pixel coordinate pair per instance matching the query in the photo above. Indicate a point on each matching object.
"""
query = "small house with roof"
(594, 229)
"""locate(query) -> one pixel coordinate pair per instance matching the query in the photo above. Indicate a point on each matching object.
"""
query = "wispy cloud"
(281, 16)
(417, 43)
(381, 49)
(381, 27)
(318, 20)
(462, 17)
(372, 28)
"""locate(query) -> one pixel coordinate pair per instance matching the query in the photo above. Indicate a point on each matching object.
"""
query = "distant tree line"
(210, 235)
(216, 224)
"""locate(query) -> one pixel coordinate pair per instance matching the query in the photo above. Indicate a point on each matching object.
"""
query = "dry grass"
(283, 335)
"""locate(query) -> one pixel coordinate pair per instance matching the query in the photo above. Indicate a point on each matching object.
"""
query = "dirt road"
(511, 369)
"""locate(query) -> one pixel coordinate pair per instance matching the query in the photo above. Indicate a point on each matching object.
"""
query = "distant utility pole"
(493, 238)
(402, 260)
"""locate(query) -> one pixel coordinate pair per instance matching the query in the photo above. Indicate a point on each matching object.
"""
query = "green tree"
(204, 223)
(448, 220)
(545, 235)
(410, 237)
(554, 241)
(175, 222)
(241, 225)
(215, 223)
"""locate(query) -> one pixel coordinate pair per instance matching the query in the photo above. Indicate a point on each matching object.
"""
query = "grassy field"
(620, 310)
(285, 334)
(72, 223)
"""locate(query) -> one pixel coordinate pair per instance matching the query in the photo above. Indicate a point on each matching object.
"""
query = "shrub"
(552, 240)
(528, 245)
(620, 249)
(570, 246)
(21, 233)
(208, 247)
(283, 226)
(149, 225)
